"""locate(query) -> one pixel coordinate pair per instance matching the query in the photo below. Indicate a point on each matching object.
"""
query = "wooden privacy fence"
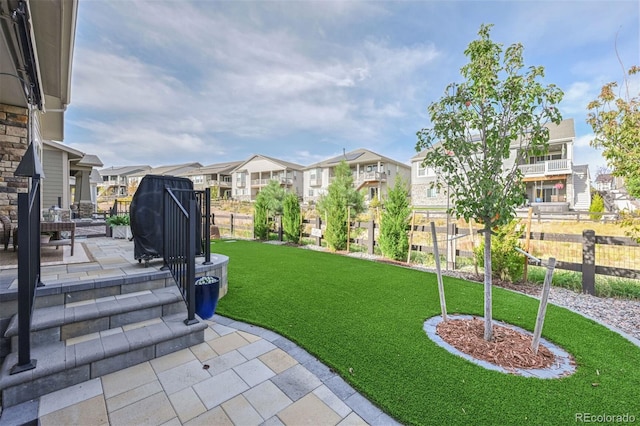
(589, 254)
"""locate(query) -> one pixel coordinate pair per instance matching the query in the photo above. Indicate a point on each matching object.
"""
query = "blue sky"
(165, 82)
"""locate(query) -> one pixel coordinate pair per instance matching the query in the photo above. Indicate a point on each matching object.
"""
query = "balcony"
(546, 168)
(315, 180)
(367, 177)
(259, 182)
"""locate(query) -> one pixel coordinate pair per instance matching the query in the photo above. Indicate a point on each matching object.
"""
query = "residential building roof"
(604, 177)
(122, 170)
(557, 132)
(169, 170)
(89, 160)
(218, 168)
(357, 156)
(285, 164)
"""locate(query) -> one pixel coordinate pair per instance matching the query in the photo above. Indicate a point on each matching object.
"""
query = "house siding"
(54, 182)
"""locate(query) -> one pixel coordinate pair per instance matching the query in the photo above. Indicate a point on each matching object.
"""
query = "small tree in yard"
(597, 206)
(394, 222)
(291, 218)
(615, 119)
(476, 124)
(261, 218)
(274, 195)
(333, 206)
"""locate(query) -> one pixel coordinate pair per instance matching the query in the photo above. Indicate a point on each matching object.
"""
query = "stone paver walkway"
(240, 375)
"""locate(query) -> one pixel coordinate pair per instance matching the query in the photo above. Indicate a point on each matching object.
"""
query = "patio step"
(61, 322)
(100, 329)
(61, 364)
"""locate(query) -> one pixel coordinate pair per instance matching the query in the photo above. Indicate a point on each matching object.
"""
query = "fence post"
(279, 227)
(589, 261)
(371, 236)
(318, 226)
(231, 223)
(452, 231)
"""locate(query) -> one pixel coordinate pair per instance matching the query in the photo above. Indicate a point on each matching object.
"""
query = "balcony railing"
(315, 181)
(259, 182)
(552, 167)
(370, 177)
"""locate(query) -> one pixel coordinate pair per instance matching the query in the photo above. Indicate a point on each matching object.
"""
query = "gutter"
(21, 40)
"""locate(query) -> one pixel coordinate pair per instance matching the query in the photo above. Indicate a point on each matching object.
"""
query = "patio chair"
(5, 234)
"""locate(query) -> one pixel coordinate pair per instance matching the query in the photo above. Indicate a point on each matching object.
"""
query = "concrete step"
(64, 363)
(61, 322)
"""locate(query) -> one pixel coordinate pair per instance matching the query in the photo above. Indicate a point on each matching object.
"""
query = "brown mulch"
(509, 348)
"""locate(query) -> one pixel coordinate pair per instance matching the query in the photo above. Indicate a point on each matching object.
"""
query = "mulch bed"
(509, 348)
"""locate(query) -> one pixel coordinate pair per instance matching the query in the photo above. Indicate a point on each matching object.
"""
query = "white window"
(432, 192)
(425, 171)
(311, 193)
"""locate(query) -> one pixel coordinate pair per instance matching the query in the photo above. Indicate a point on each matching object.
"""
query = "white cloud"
(170, 82)
(123, 84)
(582, 141)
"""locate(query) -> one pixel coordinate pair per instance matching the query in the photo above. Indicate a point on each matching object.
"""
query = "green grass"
(605, 286)
(368, 317)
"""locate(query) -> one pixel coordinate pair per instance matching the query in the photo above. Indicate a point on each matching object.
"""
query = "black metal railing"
(184, 238)
(28, 271)
(119, 208)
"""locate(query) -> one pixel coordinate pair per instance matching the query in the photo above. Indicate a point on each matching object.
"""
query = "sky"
(166, 81)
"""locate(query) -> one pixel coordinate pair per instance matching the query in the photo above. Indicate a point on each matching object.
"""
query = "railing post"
(207, 226)
(191, 263)
(370, 238)
(589, 262)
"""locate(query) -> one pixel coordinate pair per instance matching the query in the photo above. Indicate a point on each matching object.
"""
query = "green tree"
(394, 222)
(291, 218)
(615, 119)
(333, 206)
(261, 218)
(597, 206)
(273, 194)
(499, 112)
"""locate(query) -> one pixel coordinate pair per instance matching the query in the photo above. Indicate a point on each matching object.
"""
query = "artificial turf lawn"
(368, 317)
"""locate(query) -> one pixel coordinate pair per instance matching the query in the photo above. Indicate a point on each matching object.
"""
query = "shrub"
(118, 220)
(291, 218)
(506, 263)
(333, 206)
(394, 240)
(597, 206)
(260, 218)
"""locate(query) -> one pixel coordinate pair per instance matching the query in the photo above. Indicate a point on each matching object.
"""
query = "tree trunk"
(488, 326)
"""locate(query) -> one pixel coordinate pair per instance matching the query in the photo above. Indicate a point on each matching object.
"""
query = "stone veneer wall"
(419, 196)
(14, 141)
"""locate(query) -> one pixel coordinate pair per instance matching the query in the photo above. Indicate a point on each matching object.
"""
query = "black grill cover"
(146, 213)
